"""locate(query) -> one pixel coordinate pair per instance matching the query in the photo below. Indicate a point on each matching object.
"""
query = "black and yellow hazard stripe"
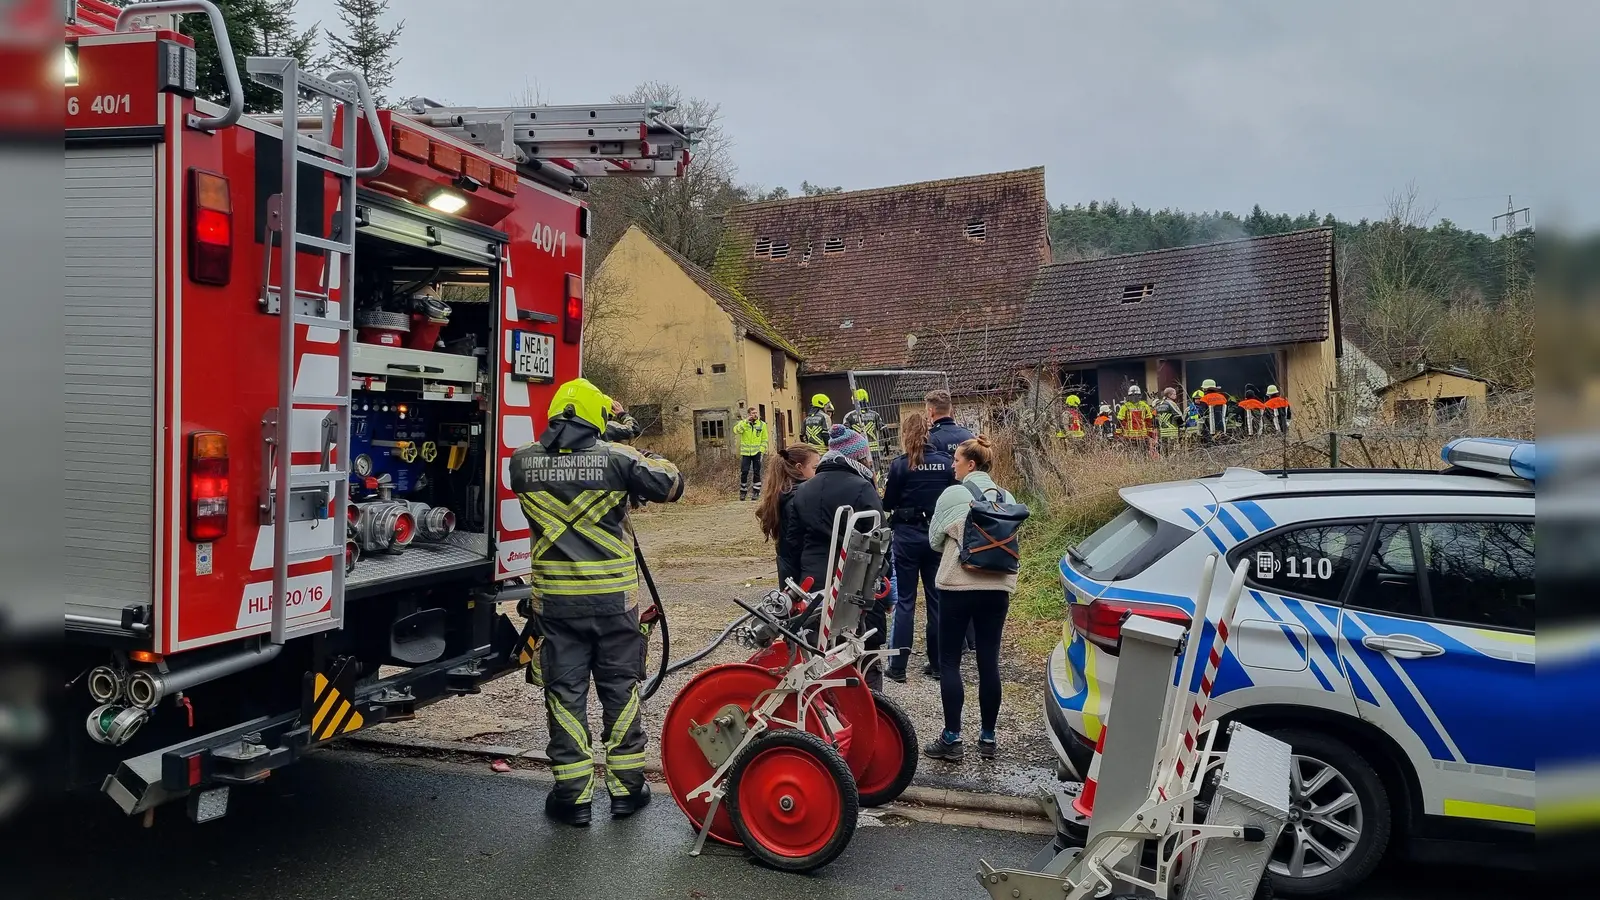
(334, 713)
(528, 657)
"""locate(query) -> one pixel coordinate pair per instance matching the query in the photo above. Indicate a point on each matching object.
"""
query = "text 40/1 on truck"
(295, 373)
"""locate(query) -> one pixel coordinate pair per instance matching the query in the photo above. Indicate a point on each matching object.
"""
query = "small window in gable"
(832, 245)
(1133, 293)
(780, 249)
(763, 248)
(719, 368)
(976, 230)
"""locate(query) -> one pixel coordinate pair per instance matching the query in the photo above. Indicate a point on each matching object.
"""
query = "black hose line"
(653, 684)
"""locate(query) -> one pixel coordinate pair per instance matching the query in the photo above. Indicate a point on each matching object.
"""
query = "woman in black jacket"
(844, 478)
(787, 470)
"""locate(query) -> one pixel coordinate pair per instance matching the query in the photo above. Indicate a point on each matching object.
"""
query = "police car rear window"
(1104, 554)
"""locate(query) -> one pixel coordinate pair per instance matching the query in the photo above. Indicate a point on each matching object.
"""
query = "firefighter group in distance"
(1210, 415)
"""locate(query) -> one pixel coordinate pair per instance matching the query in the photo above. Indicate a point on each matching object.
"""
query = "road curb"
(943, 798)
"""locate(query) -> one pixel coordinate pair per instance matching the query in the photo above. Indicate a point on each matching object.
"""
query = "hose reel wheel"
(792, 800)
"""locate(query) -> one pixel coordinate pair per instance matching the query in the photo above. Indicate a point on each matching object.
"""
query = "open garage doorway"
(1234, 374)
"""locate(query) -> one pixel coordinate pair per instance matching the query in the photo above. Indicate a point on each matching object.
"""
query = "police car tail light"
(1101, 621)
(208, 485)
(572, 311)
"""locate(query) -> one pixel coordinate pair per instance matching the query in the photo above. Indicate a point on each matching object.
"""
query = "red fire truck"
(299, 352)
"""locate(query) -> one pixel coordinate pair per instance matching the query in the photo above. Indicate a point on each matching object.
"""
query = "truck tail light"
(572, 311)
(208, 485)
(1101, 620)
(210, 228)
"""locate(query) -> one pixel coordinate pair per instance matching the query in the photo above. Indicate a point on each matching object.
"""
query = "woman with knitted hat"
(844, 478)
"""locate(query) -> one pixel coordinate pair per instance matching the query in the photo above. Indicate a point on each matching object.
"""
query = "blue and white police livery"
(1386, 633)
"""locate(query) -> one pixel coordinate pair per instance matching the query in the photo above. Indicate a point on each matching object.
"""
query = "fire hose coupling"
(113, 725)
(384, 526)
(434, 523)
(106, 685)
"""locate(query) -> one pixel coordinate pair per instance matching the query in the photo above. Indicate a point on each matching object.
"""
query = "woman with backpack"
(787, 469)
(972, 590)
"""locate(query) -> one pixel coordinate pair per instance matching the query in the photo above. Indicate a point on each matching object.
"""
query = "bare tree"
(685, 212)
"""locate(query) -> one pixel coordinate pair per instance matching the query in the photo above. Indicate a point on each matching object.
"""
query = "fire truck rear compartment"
(421, 398)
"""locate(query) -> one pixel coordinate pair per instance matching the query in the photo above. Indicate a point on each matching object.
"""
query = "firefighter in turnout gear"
(1214, 403)
(1072, 428)
(1192, 415)
(814, 429)
(1169, 419)
(1104, 425)
(575, 490)
(752, 435)
(1278, 411)
(1136, 419)
(1251, 409)
(619, 425)
(867, 421)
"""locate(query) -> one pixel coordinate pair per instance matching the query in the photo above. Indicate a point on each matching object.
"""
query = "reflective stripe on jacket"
(752, 437)
(814, 429)
(574, 490)
(1168, 417)
(1135, 418)
(869, 423)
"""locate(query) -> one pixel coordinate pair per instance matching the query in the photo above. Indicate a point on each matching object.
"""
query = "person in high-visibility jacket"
(1072, 427)
(752, 435)
(1252, 408)
(1169, 418)
(575, 490)
(1136, 418)
(1105, 425)
(1214, 424)
(815, 427)
(867, 421)
(1278, 410)
(1192, 415)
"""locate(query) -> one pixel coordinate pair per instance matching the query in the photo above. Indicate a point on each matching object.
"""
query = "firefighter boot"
(622, 807)
(576, 814)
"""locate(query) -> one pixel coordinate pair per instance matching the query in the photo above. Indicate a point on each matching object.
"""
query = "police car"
(1385, 633)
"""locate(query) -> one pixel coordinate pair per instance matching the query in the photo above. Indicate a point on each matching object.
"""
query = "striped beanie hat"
(849, 443)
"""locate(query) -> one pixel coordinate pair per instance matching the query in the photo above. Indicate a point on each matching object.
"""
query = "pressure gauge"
(363, 465)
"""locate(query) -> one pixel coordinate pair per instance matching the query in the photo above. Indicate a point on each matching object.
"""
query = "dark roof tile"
(1252, 292)
(905, 263)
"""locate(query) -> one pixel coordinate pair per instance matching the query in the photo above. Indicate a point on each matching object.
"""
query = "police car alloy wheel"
(1339, 821)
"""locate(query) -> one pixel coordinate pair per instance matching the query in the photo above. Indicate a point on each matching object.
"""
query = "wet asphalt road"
(352, 826)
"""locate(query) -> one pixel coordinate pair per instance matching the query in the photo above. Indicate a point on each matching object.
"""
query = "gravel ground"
(703, 555)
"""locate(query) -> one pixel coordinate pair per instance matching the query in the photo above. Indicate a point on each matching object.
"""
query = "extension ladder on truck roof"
(567, 144)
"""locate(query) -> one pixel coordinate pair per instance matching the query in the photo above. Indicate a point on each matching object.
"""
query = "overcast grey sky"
(1211, 104)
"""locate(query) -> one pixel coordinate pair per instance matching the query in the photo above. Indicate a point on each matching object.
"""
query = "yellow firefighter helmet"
(584, 400)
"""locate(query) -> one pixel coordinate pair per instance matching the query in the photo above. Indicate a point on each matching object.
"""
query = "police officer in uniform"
(575, 490)
(944, 435)
(815, 427)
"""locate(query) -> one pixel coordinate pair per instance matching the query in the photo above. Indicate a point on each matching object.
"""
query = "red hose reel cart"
(777, 754)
